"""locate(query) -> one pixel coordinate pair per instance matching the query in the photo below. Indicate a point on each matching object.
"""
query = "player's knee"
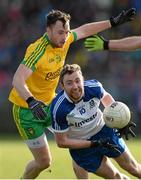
(44, 163)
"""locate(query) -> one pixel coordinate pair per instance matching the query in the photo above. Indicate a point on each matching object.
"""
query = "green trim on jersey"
(75, 35)
(36, 54)
(46, 37)
(28, 126)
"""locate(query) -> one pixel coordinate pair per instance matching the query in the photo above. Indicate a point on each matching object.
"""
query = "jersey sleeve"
(95, 88)
(58, 116)
(33, 53)
(72, 37)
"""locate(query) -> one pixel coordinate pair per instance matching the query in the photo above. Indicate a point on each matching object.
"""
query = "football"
(117, 115)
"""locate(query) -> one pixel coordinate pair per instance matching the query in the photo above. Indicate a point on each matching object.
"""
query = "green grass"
(14, 155)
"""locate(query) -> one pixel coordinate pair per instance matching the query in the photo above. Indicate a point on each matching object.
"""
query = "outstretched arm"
(91, 28)
(126, 44)
(107, 99)
(97, 43)
(96, 27)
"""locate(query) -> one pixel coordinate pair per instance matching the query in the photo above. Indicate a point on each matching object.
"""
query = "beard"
(76, 95)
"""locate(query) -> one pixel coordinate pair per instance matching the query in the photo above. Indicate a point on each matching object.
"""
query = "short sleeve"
(94, 88)
(33, 53)
(58, 116)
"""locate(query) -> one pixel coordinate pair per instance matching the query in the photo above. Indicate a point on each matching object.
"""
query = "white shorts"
(37, 142)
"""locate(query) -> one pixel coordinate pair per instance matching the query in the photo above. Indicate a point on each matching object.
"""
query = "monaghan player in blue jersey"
(78, 124)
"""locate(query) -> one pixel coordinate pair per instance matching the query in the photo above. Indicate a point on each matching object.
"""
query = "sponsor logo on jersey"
(81, 123)
(53, 75)
(57, 59)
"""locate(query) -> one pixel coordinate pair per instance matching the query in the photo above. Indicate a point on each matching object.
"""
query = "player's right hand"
(37, 108)
(96, 43)
(105, 142)
(127, 130)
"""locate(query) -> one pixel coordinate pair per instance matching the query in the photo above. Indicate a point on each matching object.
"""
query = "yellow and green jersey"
(46, 61)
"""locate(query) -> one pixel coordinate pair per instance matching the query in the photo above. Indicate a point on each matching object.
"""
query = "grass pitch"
(14, 155)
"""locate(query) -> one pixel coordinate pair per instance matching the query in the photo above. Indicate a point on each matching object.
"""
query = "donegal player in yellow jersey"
(46, 62)
(36, 79)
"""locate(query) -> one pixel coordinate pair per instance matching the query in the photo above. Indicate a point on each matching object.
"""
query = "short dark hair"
(69, 69)
(56, 15)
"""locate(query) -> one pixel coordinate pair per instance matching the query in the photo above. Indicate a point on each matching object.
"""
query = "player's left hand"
(105, 142)
(123, 17)
(127, 130)
(96, 43)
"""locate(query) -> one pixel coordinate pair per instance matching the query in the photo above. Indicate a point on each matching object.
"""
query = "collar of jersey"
(67, 97)
(47, 38)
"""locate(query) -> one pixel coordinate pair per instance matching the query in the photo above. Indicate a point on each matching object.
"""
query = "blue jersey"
(84, 120)
(80, 120)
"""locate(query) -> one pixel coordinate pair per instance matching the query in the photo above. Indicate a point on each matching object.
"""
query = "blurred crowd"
(23, 21)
